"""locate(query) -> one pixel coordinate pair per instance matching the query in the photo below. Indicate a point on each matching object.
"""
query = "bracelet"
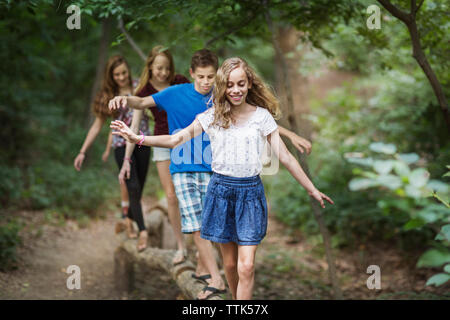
(128, 159)
(142, 140)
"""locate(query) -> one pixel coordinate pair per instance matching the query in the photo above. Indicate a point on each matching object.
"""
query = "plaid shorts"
(190, 188)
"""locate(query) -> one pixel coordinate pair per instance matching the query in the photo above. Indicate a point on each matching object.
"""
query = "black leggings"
(135, 185)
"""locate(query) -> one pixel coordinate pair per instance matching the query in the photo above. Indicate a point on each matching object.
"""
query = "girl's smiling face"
(160, 68)
(121, 76)
(237, 87)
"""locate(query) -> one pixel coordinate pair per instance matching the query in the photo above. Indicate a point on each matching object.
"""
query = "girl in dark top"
(117, 80)
(158, 74)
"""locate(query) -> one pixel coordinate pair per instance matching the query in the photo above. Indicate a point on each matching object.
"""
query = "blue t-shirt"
(182, 104)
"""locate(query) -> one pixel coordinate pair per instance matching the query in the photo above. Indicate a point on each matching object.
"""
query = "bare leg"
(172, 203)
(246, 271)
(206, 255)
(230, 257)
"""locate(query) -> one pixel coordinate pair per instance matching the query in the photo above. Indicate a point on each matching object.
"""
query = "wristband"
(128, 159)
(142, 140)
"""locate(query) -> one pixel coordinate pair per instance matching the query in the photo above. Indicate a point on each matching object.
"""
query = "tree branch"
(131, 41)
(396, 12)
(230, 31)
(418, 7)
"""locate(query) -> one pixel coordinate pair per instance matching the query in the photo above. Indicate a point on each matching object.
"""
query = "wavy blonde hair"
(147, 72)
(259, 94)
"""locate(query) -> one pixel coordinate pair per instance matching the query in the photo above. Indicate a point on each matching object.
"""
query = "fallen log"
(154, 257)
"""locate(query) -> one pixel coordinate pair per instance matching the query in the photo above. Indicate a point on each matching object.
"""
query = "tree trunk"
(101, 61)
(286, 84)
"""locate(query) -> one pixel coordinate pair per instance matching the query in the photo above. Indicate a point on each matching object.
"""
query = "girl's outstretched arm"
(288, 160)
(163, 141)
(132, 102)
(298, 142)
(92, 134)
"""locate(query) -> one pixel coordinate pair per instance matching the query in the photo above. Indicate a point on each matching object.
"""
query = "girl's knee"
(229, 264)
(246, 269)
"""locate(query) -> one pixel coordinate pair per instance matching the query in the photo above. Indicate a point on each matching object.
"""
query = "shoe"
(214, 292)
(201, 278)
(184, 258)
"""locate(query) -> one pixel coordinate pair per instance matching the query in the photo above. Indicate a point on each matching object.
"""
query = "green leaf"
(383, 166)
(381, 147)
(438, 279)
(409, 158)
(419, 177)
(401, 169)
(362, 161)
(438, 186)
(433, 258)
(414, 224)
(447, 268)
(444, 233)
(390, 181)
(361, 184)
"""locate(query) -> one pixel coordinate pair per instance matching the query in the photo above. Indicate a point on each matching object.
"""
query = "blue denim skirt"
(235, 209)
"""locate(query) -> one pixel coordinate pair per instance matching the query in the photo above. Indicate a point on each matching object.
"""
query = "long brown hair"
(109, 88)
(147, 72)
(258, 95)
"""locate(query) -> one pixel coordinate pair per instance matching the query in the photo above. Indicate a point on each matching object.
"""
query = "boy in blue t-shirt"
(191, 162)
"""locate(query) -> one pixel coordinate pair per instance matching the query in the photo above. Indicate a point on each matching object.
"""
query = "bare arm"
(108, 148)
(125, 170)
(298, 142)
(164, 141)
(132, 102)
(92, 134)
(289, 161)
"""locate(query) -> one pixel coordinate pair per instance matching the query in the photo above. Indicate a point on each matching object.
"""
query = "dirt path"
(285, 269)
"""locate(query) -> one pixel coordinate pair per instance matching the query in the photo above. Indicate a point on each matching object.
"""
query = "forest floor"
(285, 269)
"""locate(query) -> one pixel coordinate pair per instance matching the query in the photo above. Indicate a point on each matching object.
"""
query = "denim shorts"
(160, 154)
(235, 210)
(190, 188)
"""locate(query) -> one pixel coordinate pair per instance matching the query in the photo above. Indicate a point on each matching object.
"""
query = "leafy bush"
(9, 240)
(414, 191)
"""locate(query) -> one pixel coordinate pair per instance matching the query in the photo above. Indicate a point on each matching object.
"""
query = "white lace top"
(237, 151)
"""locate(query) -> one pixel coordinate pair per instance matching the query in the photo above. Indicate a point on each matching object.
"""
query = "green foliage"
(393, 174)
(9, 241)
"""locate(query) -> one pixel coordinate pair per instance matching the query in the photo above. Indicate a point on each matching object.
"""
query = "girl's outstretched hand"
(117, 102)
(319, 196)
(301, 143)
(121, 129)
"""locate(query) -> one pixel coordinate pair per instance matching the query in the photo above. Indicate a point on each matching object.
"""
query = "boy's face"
(203, 78)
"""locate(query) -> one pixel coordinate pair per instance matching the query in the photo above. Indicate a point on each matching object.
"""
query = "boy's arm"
(288, 160)
(164, 141)
(132, 102)
(296, 140)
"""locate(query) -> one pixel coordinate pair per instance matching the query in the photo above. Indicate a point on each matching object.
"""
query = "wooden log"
(126, 255)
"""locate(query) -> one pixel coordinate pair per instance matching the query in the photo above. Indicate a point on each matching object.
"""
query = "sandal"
(183, 253)
(130, 230)
(142, 242)
(201, 278)
(214, 292)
